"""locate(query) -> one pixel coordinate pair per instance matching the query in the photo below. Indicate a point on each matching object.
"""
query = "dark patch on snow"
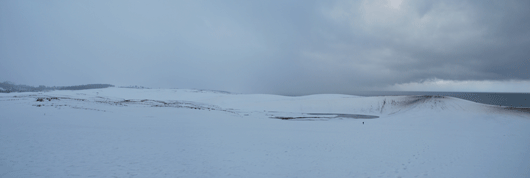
(49, 99)
(527, 110)
(326, 116)
(416, 99)
(353, 116)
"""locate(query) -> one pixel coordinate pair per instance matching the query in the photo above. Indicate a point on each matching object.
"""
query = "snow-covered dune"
(327, 103)
(122, 132)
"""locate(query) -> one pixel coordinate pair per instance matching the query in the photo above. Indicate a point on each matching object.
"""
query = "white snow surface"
(123, 132)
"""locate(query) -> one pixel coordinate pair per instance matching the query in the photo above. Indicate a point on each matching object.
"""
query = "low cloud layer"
(282, 47)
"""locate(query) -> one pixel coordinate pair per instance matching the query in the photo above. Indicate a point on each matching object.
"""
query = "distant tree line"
(7, 87)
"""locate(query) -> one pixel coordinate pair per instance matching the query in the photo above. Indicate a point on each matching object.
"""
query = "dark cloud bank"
(282, 47)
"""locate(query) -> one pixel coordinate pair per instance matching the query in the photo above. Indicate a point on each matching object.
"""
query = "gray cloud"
(284, 47)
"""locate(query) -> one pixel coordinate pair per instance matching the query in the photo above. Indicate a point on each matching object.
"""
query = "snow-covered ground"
(123, 132)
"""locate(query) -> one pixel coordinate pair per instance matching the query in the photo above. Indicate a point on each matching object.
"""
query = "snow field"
(74, 138)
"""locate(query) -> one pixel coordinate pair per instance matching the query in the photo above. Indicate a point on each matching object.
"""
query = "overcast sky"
(281, 47)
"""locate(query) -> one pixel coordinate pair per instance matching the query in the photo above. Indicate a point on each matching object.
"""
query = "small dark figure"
(363, 123)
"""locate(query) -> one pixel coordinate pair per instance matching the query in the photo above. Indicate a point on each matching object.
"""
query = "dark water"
(502, 99)
(353, 116)
(326, 116)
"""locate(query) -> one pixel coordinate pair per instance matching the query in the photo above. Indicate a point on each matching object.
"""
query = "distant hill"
(8, 87)
(84, 87)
